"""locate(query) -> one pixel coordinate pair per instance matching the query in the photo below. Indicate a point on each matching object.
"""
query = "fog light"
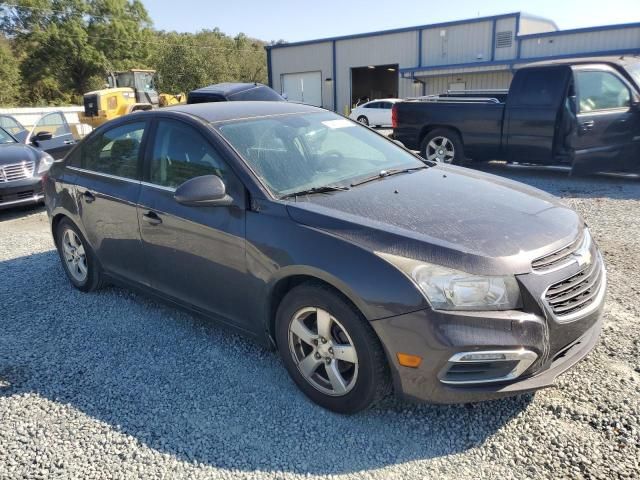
(406, 360)
(482, 357)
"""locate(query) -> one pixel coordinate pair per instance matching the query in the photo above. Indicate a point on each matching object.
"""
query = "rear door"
(61, 140)
(372, 111)
(608, 134)
(531, 121)
(107, 191)
(195, 254)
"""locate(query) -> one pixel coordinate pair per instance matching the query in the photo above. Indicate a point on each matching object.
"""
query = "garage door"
(303, 87)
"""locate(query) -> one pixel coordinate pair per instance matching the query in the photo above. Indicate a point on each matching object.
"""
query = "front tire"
(444, 146)
(330, 350)
(363, 120)
(78, 260)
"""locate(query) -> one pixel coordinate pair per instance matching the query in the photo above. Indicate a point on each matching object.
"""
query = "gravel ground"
(114, 385)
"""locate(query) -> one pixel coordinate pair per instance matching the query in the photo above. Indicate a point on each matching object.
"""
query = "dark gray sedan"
(369, 269)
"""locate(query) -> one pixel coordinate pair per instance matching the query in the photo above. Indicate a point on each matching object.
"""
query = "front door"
(108, 171)
(61, 140)
(195, 254)
(608, 131)
(532, 113)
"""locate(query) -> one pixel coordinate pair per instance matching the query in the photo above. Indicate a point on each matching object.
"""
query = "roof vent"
(504, 39)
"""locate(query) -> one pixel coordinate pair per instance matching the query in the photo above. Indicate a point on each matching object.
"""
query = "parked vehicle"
(231, 92)
(21, 170)
(365, 266)
(581, 113)
(376, 113)
(51, 133)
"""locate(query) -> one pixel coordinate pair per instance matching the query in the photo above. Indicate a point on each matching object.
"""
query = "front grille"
(576, 292)
(16, 171)
(561, 257)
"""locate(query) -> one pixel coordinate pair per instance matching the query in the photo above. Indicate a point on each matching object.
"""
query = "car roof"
(227, 88)
(226, 111)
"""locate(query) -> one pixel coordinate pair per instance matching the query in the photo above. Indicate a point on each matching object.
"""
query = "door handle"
(69, 142)
(587, 126)
(152, 218)
(88, 196)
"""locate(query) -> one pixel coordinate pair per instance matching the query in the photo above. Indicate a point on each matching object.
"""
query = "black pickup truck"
(580, 113)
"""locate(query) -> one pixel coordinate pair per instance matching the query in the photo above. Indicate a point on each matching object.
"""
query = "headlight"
(448, 289)
(45, 163)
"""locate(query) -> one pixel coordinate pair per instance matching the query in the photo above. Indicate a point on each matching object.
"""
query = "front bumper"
(436, 336)
(21, 192)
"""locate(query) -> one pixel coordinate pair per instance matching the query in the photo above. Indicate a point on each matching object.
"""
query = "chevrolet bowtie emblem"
(582, 257)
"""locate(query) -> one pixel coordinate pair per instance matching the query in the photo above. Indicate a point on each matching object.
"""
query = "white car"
(376, 113)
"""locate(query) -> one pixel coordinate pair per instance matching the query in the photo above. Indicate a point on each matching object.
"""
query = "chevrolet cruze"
(369, 269)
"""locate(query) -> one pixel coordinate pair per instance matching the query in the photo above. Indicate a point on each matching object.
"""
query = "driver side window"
(180, 153)
(599, 90)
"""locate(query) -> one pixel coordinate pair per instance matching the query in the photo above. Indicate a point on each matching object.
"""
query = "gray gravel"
(114, 385)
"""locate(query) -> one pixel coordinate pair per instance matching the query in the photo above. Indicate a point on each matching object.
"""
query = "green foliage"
(65, 48)
(188, 61)
(9, 75)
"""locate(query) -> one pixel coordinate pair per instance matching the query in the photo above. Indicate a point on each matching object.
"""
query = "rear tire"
(444, 146)
(78, 260)
(330, 350)
(363, 120)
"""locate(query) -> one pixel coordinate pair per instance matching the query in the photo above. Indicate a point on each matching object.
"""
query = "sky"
(296, 20)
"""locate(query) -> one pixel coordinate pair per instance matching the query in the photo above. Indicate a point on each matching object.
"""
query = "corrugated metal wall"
(397, 48)
(305, 58)
(457, 44)
(507, 25)
(595, 41)
(473, 81)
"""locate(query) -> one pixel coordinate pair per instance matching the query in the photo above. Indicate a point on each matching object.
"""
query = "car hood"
(16, 153)
(447, 215)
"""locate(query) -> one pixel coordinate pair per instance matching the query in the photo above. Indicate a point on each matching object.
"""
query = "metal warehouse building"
(480, 53)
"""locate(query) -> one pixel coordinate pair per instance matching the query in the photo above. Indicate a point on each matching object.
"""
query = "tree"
(69, 45)
(9, 75)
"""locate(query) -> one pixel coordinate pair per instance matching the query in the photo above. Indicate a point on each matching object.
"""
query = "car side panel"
(278, 247)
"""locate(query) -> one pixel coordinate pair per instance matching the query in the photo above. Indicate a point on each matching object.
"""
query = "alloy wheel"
(440, 149)
(323, 351)
(74, 255)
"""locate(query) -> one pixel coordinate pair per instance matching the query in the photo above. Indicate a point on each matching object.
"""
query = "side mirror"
(41, 136)
(205, 191)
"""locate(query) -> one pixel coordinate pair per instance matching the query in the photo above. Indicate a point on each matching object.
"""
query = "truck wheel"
(363, 120)
(444, 146)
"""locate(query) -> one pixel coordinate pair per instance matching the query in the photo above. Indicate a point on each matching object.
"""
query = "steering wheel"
(330, 158)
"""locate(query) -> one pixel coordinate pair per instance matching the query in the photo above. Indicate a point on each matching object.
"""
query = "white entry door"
(303, 87)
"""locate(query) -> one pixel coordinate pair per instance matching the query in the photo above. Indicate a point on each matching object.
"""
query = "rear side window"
(116, 151)
(180, 153)
(541, 87)
(599, 90)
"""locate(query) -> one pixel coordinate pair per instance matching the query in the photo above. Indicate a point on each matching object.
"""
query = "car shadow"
(185, 387)
(22, 211)
(562, 184)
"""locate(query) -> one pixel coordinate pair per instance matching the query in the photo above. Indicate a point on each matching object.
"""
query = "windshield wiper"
(312, 190)
(387, 173)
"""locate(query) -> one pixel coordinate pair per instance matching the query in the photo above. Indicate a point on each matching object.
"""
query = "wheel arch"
(293, 278)
(430, 128)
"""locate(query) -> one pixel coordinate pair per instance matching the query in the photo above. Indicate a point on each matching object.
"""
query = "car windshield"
(292, 153)
(634, 70)
(5, 137)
